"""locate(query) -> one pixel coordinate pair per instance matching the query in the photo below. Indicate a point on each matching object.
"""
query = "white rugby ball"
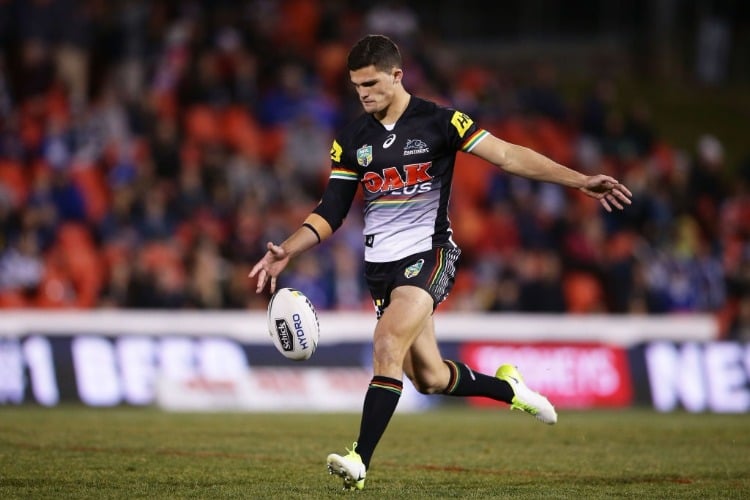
(293, 324)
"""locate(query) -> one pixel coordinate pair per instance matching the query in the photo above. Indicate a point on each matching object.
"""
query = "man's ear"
(398, 74)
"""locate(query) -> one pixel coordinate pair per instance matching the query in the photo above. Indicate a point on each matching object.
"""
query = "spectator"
(208, 276)
(111, 89)
(542, 97)
(540, 278)
(306, 149)
(21, 264)
(706, 184)
(393, 18)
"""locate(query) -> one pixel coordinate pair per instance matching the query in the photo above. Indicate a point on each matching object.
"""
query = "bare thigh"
(402, 322)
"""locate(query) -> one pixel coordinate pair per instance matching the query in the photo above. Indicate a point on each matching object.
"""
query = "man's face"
(375, 88)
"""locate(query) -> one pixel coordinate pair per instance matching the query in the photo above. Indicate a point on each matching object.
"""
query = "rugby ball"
(293, 324)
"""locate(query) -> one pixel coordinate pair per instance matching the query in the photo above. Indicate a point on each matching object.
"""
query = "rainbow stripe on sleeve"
(343, 174)
(473, 140)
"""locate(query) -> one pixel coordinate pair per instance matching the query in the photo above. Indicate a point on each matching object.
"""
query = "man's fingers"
(614, 198)
(261, 281)
(625, 198)
(255, 270)
(614, 201)
(261, 269)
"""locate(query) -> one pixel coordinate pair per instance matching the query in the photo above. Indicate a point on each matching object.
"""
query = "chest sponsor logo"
(388, 141)
(390, 179)
(364, 155)
(415, 147)
(413, 269)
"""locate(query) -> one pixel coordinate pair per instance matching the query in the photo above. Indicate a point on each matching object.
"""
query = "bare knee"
(427, 383)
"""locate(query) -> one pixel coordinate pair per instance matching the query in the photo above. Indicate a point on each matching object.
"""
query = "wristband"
(311, 228)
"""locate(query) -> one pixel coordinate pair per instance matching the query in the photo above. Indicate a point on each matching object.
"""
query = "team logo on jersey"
(388, 141)
(364, 155)
(413, 269)
(415, 147)
(462, 123)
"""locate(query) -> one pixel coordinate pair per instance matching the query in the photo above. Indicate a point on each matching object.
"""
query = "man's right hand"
(271, 265)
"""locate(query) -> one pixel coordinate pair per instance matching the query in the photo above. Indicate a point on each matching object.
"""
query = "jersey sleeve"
(339, 192)
(463, 133)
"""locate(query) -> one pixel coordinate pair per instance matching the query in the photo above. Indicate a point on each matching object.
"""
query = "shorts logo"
(364, 155)
(415, 147)
(388, 141)
(378, 303)
(414, 269)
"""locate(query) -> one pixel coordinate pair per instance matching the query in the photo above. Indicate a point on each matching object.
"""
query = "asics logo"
(389, 140)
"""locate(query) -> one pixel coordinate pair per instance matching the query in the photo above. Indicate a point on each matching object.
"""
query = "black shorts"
(433, 271)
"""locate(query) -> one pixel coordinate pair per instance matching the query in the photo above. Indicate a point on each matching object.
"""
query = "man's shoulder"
(355, 127)
(433, 104)
(453, 123)
(435, 110)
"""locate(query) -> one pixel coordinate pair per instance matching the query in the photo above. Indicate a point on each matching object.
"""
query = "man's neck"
(393, 112)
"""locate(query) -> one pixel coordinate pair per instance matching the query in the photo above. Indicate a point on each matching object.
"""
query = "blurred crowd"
(149, 150)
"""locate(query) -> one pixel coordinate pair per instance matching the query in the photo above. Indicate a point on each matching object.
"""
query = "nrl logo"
(414, 269)
(364, 155)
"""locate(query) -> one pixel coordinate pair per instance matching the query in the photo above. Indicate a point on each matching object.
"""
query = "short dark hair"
(374, 50)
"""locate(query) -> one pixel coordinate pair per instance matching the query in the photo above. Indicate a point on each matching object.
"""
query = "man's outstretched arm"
(525, 162)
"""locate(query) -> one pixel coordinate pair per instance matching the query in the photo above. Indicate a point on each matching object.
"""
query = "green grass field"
(74, 452)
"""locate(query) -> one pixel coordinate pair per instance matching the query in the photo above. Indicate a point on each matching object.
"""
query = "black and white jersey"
(405, 172)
